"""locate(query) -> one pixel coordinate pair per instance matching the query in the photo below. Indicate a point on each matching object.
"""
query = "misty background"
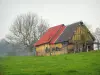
(55, 12)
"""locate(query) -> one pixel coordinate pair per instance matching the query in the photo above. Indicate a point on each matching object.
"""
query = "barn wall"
(81, 35)
(81, 30)
(76, 34)
(69, 48)
(40, 50)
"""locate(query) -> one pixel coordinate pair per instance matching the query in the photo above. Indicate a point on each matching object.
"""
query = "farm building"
(63, 39)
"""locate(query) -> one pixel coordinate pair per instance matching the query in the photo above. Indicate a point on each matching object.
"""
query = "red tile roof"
(57, 35)
(51, 35)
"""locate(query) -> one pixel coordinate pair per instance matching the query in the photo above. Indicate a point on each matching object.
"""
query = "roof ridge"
(56, 32)
(61, 33)
(68, 32)
(75, 23)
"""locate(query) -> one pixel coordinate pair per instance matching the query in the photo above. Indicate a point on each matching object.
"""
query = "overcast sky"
(54, 11)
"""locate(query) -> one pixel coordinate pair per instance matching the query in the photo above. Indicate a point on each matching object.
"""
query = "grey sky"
(54, 11)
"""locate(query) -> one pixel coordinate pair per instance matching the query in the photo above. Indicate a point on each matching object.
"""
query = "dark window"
(53, 49)
(47, 50)
(57, 49)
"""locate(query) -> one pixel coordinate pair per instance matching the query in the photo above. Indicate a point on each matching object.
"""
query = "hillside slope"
(69, 64)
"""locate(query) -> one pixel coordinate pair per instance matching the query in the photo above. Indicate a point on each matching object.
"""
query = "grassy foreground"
(69, 64)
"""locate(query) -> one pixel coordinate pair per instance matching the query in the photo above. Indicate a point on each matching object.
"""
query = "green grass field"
(68, 64)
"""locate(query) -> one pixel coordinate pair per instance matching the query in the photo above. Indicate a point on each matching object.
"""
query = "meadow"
(84, 63)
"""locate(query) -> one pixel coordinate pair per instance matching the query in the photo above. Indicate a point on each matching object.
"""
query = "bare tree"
(42, 28)
(97, 37)
(97, 34)
(27, 29)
